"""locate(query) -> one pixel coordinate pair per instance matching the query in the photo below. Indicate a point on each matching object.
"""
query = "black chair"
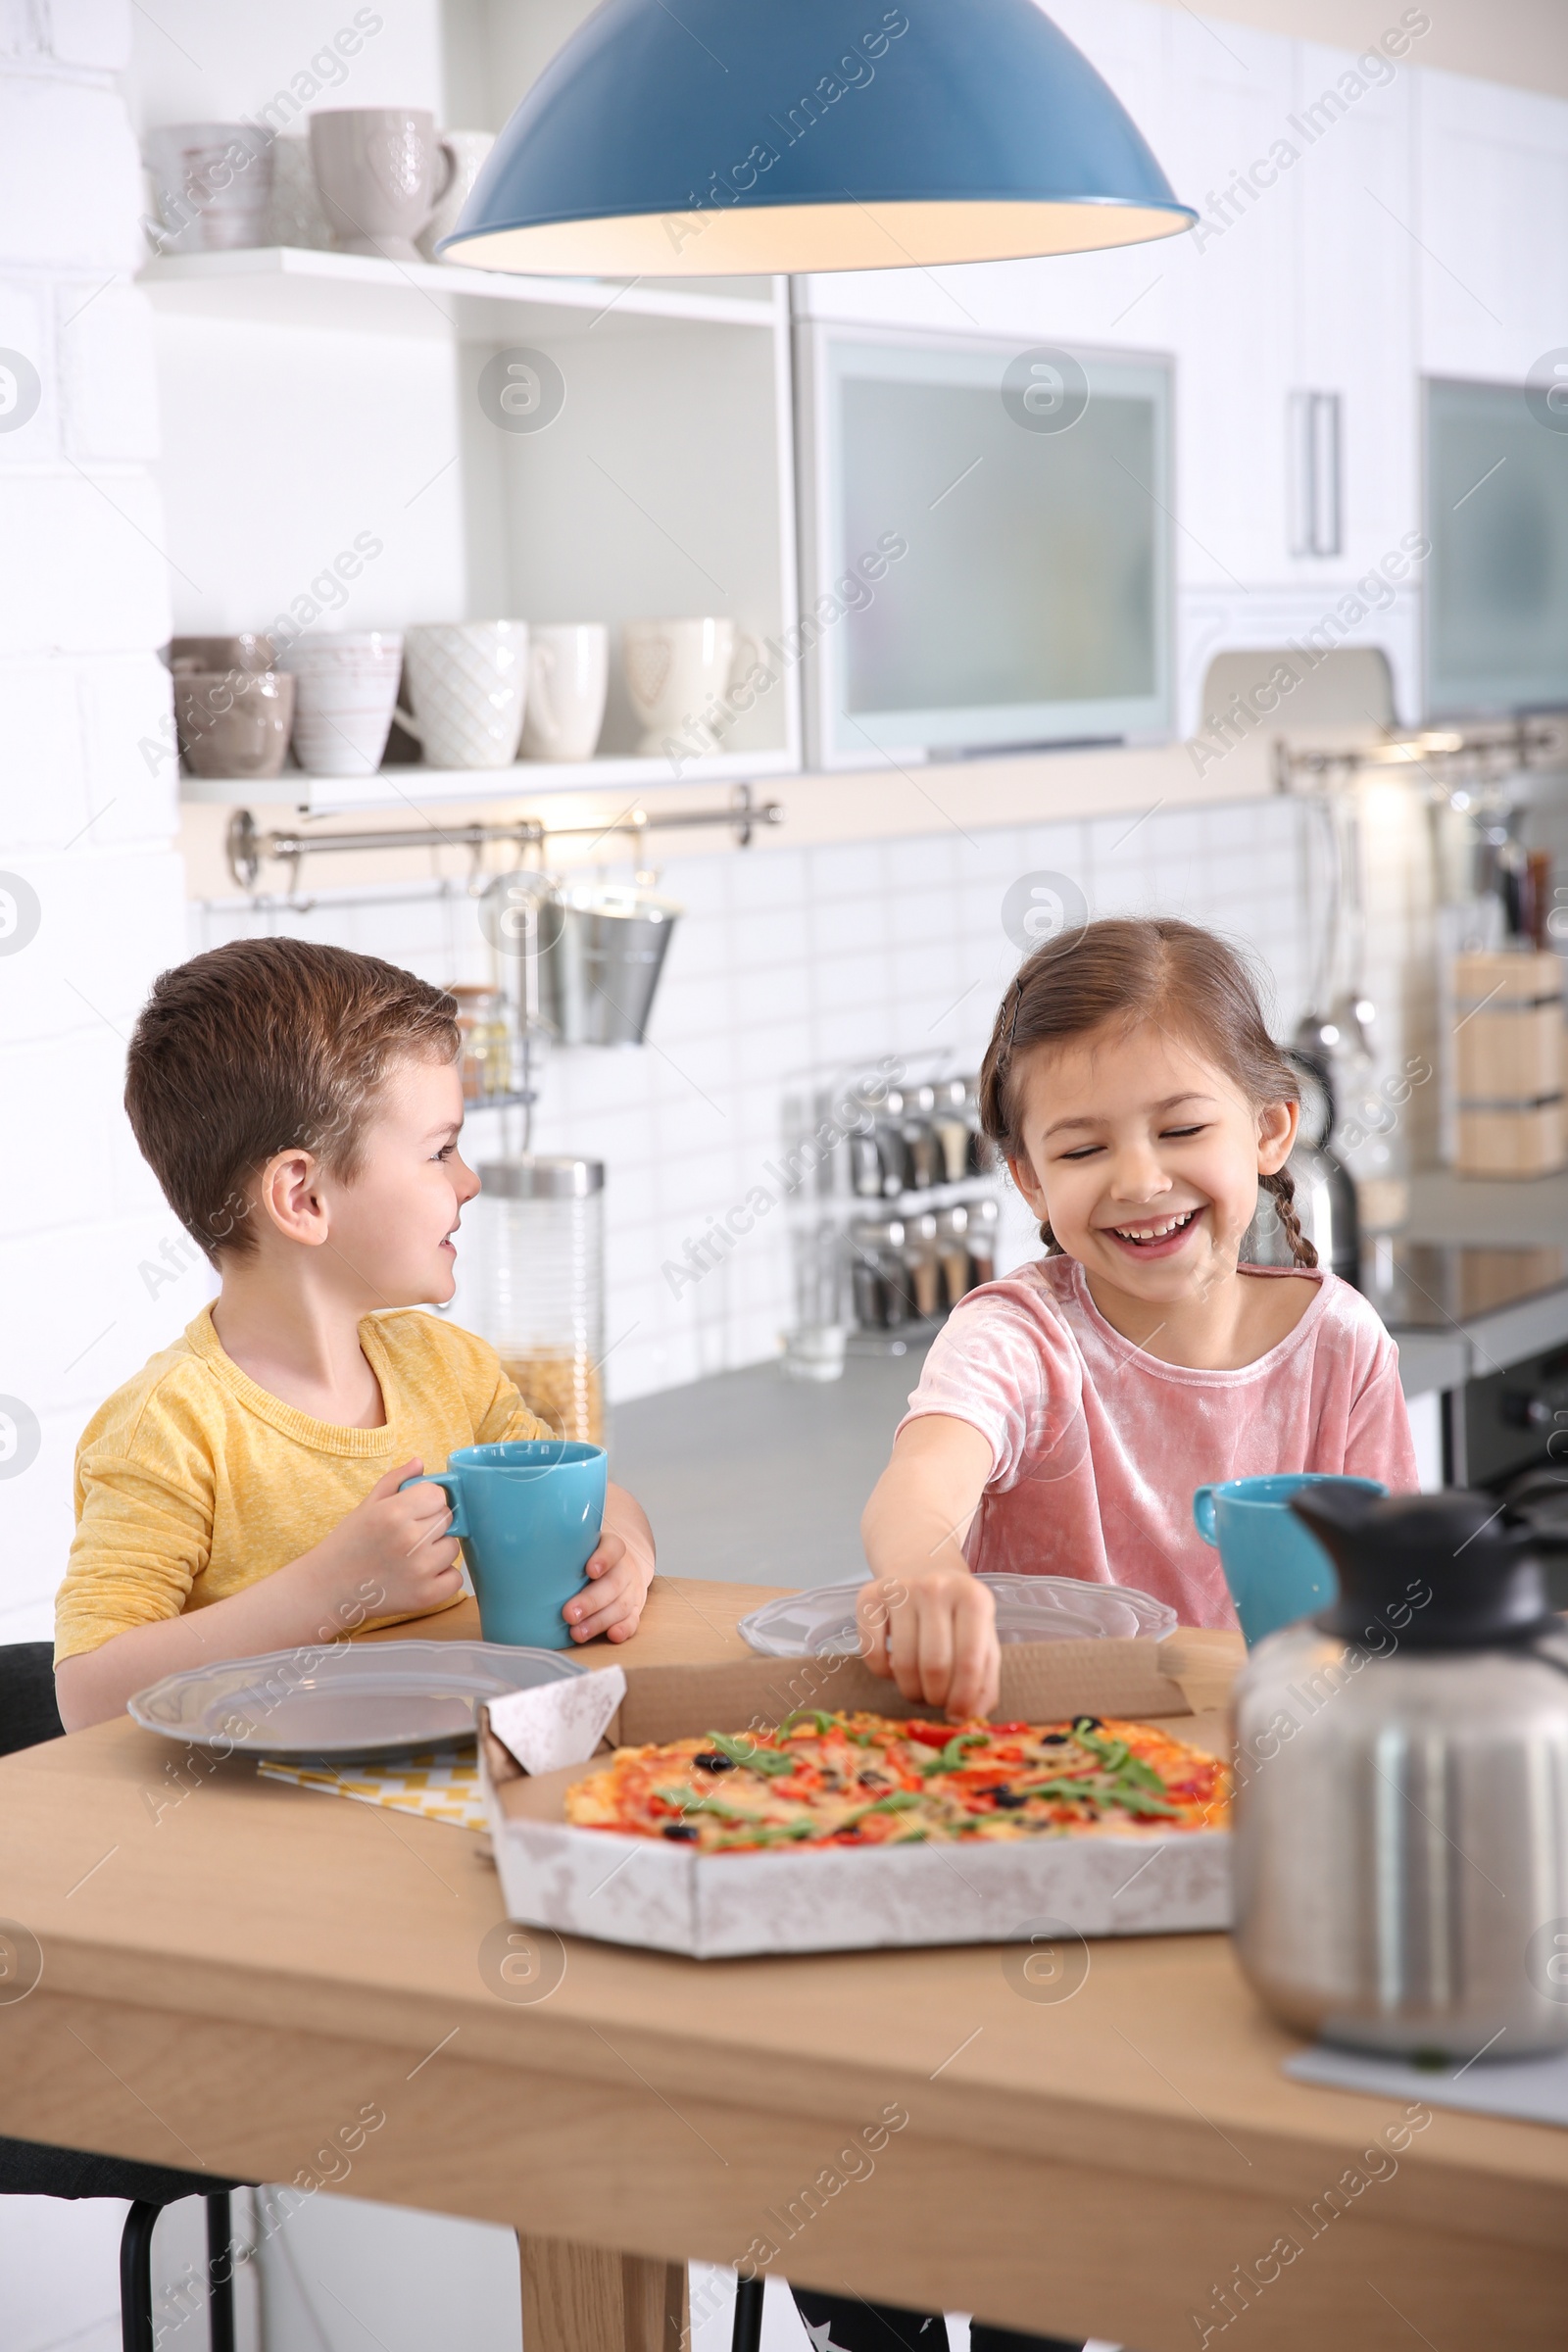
(748, 2330)
(29, 1716)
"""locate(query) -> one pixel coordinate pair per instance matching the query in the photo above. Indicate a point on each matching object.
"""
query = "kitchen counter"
(755, 1478)
(752, 1477)
(1444, 1208)
(1461, 1311)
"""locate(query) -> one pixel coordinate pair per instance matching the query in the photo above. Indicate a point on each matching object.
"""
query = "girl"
(1065, 1414)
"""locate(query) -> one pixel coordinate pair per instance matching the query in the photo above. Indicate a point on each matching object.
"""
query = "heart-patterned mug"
(677, 672)
(381, 171)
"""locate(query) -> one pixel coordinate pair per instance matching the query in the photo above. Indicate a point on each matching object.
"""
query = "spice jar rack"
(894, 1209)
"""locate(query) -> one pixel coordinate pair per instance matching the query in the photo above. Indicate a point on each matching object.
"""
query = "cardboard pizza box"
(534, 1746)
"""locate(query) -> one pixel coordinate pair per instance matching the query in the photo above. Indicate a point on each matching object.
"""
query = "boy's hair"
(260, 1047)
(1128, 970)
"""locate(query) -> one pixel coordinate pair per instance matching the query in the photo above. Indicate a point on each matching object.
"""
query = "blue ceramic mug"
(1276, 1569)
(527, 1513)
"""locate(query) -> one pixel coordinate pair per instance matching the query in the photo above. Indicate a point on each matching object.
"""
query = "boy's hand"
(398, 1543)
(613, 1603)
(934, 1634)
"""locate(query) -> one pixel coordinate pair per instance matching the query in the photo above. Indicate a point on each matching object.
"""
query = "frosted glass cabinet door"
(1005, 546)
(1497, 577)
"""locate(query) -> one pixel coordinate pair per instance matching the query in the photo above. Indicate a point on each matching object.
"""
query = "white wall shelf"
(393, 788)
(290, 285)
(316, 402)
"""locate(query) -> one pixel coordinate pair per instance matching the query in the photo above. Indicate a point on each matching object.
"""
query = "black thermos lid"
(1448, 1571)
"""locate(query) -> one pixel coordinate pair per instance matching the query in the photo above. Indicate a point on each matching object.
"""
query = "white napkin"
(557, 1723)
(1533, 2089)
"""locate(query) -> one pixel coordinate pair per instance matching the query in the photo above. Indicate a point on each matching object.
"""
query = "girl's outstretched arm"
(925, 1623)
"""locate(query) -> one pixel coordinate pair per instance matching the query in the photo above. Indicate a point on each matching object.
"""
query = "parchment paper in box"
(667, 1897)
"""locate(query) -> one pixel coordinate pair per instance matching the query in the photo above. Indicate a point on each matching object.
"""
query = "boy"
(300, 1106)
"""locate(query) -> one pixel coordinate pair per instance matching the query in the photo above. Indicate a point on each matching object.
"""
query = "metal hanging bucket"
(585, 957)
(598, 971)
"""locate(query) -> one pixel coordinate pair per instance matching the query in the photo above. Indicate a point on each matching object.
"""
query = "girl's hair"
(1130, 970)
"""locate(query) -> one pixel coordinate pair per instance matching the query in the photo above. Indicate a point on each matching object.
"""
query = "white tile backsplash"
(787, 961)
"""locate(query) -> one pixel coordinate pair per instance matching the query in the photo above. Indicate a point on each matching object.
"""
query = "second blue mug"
(527, 1513)
(1277, 1570)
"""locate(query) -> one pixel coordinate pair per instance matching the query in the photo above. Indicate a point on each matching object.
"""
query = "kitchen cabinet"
(1234, 283)
(1492, 215)
(1355, 300)
(1300, 277)
(1360, 230)
(310, 397)
(1333, 231)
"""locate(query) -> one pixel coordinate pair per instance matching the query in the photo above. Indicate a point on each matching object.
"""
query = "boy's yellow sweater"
(193, 1483)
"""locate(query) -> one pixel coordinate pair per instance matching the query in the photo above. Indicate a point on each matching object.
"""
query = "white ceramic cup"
(469, 683)
(382, 171)
(213, 184)
(568, 676)
(343, 697)
(469, 151)
(675, 670)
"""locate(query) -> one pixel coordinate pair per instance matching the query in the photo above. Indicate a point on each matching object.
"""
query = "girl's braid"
(1281, 1187)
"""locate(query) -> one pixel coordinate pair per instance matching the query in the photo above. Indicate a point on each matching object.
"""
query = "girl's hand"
(924, 1621)
(934, 1634)
(620, 1572)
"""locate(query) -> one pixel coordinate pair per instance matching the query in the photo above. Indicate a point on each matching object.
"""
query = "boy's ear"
(288, 1194)
(1277, 1127)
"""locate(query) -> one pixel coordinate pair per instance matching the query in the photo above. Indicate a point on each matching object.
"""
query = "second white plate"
(820, 1624)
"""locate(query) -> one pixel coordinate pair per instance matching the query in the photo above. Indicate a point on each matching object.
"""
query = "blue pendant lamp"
(729, 137)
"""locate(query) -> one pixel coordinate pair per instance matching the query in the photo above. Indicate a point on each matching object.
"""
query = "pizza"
(868, 1780)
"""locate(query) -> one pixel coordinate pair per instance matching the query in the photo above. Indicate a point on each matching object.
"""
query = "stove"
(1491, 1326)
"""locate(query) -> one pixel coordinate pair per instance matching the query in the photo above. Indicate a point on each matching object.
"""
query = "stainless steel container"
(1402, 1808)
(882, 1285)
(1324, 1194)
(967, 1246)
(601, 952)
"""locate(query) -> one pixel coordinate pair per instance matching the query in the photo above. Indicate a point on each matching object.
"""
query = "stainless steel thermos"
(1402, 1808)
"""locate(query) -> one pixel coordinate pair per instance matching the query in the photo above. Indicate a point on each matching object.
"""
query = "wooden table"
(240, 1979)
(686, 1621)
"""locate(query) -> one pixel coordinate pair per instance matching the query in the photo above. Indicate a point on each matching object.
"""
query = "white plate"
(356, 1702)
(820, 1624)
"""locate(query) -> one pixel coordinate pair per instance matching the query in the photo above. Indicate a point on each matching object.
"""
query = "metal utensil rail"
(248, 849)
(1448, 757)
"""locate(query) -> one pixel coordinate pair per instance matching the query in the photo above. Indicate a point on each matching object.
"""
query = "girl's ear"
(1277, 1125)
(1024, 1176)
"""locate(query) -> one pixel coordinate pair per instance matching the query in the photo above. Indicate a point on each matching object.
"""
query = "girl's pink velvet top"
(1097, 1446)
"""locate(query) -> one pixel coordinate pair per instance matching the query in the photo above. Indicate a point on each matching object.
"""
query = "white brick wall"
(85, 819)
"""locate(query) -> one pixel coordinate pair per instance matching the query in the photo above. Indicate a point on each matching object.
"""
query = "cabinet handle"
(1316, 444)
